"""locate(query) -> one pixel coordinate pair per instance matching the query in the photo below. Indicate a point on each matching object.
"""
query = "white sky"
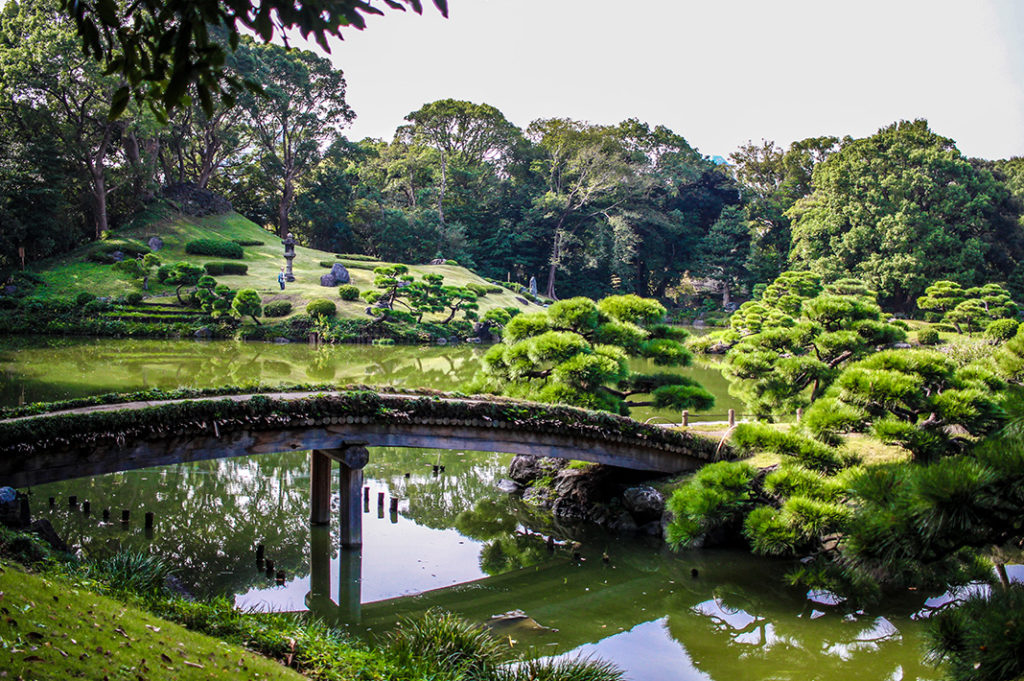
(718, 72)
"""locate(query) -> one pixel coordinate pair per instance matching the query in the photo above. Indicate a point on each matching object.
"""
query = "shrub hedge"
(214, 247)
(247, 242)
(356, 256)
(216, 269)
(133, 298)
(348, 292)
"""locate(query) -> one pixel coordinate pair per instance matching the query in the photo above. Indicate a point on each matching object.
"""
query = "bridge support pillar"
(319, 488)
(350, 482)
(351, 459)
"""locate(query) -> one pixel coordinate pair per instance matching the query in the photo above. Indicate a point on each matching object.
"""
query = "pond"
(455, 542)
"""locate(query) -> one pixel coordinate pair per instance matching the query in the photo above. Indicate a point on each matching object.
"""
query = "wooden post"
(126, 515)
(106, 514)
(149, 520)
(686, 418)
(319, 488)
(799, 414)
(732, 418)
(86, 508)
(72, 501)
(53, 502)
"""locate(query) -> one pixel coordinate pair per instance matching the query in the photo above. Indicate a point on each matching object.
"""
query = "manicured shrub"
(383, 341)
(948, 328)
(928, 337)
(494, 289)
(133, 298)
(216, 269)
(247, 303)
(278, 308)
(215, 247)
(84, 298)
(1002, 329)
(247, 242)
(96, 305)
(320, 307)
(451, 262)
(349, 292)
(478, 289)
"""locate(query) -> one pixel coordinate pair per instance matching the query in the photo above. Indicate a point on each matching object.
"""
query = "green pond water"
(456, 542)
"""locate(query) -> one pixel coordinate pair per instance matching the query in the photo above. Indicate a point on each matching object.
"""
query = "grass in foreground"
(53, 629)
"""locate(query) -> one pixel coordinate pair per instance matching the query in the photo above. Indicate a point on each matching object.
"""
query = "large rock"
(524, 468)
(644, 502)
(117, 256)
(437, 261)
(340, 273)
(155, 243)
(337, 276)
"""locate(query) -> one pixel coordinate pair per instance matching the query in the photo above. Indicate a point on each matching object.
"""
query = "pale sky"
(718, 72)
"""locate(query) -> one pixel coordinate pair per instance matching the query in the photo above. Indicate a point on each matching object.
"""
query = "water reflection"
(51, 368)
(458, 544)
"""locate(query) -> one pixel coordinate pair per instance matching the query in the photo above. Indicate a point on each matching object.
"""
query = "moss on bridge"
(193, 412)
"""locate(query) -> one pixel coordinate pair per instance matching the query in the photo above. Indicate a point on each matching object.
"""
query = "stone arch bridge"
(49, 442)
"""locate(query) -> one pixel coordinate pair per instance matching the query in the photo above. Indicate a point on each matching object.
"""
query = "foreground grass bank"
(117, 618)
(53, 628)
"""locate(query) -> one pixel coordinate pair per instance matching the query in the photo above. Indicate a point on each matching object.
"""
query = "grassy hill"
(67, 275)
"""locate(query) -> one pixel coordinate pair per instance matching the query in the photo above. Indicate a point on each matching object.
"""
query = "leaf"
(119, 102)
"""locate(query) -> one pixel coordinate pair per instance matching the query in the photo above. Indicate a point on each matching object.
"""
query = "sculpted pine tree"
(577, 353)
(792, 346)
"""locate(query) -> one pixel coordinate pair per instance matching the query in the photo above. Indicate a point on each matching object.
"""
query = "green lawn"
(53, 630)
(72, 273)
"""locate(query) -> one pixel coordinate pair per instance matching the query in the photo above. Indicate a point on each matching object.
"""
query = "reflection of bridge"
(120, 435)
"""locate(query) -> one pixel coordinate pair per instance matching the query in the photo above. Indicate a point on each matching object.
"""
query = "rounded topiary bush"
(133, 298)
(928, 337)
(84, 298)
(349, 292)
(321, 308)
(277, 308)
(1002, 329)
(478, 289)
(451, 262)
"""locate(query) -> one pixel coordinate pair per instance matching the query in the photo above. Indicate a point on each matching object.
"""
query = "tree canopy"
(577, 353)
(903, 208)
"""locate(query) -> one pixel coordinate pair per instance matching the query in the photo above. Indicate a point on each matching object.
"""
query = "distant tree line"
(586, 209)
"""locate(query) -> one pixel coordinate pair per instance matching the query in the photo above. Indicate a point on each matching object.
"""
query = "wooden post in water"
(319, 488)
(732, 418)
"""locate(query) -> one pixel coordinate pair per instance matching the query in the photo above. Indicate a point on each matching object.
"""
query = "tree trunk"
(287, 195)
(725, 294)
(99, 190)
(444, 182)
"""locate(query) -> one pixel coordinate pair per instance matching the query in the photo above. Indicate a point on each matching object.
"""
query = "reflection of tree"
(54, 368)
(512, 552)
(210, 515)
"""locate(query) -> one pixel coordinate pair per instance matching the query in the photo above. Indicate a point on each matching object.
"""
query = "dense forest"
(584, 208)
